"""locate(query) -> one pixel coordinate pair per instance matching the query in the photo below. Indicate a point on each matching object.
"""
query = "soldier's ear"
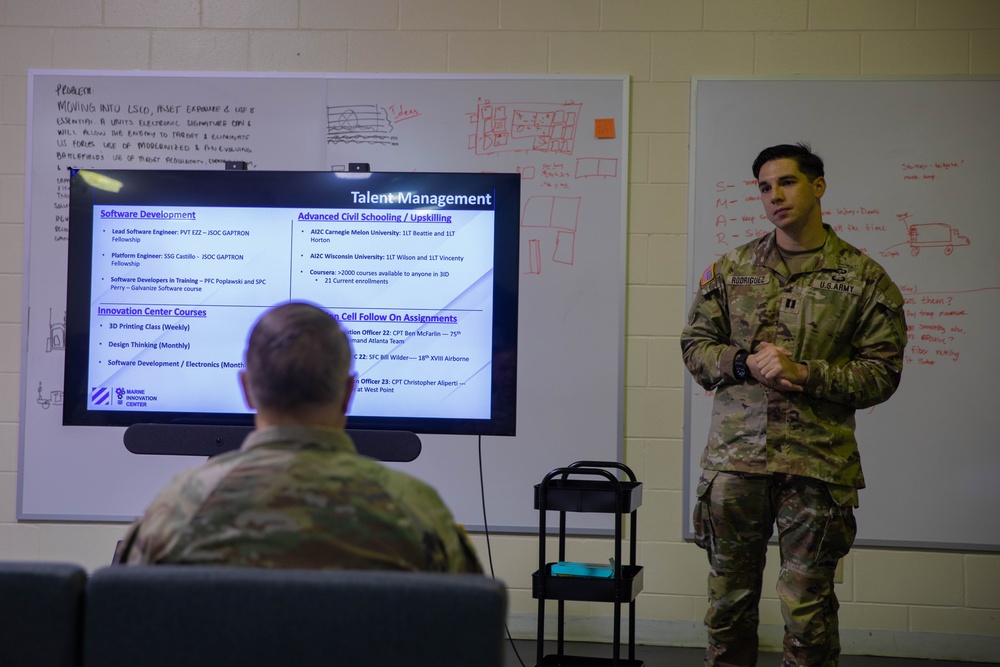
(348, 393)
(819, 186)
(245, 385)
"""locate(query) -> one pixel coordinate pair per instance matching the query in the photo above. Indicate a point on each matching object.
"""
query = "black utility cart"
(588, 486)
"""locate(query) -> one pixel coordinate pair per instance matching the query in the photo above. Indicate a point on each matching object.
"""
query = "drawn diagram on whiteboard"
(552, 220)
(359, 124)
(57, 334)
(935, 235)
(931, 235)
(54, 398)
(596, 167)
(513, 126)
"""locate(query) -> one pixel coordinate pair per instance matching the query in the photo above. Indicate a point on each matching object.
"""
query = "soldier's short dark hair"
(809, 163)
(297, 355)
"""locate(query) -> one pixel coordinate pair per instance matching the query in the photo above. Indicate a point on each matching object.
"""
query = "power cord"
(486, 530)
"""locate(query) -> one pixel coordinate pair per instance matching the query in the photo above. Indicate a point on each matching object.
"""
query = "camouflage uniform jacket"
(300, 497)
(842, 316)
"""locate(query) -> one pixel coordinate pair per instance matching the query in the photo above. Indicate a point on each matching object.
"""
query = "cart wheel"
(914, 251)
(948, 249)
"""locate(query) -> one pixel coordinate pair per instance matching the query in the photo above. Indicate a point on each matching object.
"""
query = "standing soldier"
(794, 332)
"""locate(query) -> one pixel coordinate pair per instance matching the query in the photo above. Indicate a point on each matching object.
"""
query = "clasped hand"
(773, 367)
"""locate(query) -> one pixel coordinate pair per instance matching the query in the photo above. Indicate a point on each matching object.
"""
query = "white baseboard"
(883, 643)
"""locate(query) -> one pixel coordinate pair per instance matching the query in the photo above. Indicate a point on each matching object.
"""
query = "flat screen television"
(168, 271)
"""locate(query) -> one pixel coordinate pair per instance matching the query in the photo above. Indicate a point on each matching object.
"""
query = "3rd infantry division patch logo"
(100, 395)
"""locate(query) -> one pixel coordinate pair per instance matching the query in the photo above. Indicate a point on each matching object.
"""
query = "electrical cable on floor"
(486, 530)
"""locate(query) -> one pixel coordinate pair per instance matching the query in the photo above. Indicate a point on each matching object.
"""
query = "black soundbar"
(204, 440)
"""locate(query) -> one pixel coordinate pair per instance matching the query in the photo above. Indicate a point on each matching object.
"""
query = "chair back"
(200, 615)
(41, 613)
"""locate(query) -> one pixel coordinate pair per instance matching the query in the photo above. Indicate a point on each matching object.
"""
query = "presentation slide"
(175, 291)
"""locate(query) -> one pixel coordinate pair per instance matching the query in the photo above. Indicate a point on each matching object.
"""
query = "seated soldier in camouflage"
(297, 494)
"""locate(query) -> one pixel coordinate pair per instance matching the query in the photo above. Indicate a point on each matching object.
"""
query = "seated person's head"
(298, 368)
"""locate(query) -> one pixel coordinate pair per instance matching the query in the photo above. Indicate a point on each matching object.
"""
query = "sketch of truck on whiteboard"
(935, 235)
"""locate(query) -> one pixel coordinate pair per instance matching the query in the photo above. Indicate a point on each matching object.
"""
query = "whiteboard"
(911, 170)
(570, 362)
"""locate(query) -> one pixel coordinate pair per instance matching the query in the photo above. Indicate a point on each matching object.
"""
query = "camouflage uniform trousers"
(734, 519)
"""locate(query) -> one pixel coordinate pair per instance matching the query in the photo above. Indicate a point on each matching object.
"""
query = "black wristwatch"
(740, 368)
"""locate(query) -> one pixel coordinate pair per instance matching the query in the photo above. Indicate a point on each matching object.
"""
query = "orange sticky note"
(604, 128)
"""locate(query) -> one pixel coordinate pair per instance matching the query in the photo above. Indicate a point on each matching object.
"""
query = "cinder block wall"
(895, 602)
